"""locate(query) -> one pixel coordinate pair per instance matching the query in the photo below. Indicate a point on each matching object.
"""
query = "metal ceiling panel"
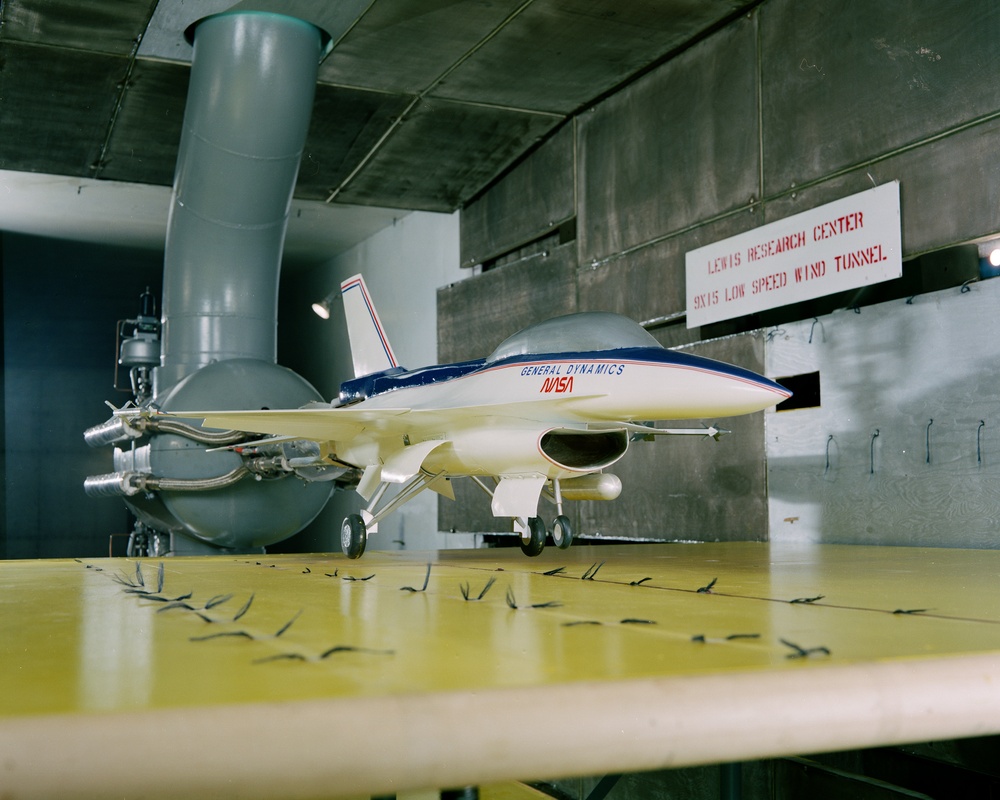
(165, 35)
(147, 128)
(558, 55)
(406, 45)
(346, 125)
(54, 111)
(443, 153)
(422, 104)
(834, 73)
(105, 26)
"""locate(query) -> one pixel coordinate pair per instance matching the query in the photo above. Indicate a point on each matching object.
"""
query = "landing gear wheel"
(562, 532)
(533, 545)
(353, 536)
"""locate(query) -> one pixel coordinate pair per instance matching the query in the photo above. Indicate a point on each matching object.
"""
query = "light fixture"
(322, 308)
(995, 257)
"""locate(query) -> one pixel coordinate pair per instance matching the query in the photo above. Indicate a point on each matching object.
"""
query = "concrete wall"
(789, 107)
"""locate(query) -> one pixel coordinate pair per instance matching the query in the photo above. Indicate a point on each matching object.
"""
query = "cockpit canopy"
(585, 332)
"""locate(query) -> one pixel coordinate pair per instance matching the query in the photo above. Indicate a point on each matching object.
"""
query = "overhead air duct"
(253, 76)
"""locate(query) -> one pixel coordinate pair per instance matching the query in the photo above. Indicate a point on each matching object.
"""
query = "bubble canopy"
(589, 331)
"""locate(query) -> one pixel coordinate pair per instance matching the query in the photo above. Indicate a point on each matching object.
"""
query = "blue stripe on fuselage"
(392, 380)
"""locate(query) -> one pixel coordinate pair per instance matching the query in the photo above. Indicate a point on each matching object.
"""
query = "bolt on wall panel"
(675, 148)
(845, 81)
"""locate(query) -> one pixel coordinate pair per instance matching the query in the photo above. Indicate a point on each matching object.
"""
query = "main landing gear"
(353, 536)
(534, 533)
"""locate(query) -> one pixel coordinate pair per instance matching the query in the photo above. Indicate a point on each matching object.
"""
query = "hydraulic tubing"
(119, 429)
(128, 484)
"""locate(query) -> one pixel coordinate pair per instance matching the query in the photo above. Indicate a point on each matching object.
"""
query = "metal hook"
(872, 453)
(928, 440)
(829, 439)
(811, 329)
(979, 448)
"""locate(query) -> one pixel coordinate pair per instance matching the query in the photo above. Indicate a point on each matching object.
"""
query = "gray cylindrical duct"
(253, 77)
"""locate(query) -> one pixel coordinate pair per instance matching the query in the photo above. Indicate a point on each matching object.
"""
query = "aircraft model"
(546, 413)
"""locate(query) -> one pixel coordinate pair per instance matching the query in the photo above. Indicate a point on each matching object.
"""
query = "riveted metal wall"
(675, 148)
(791, 106)
(535, 197)
(847, 81)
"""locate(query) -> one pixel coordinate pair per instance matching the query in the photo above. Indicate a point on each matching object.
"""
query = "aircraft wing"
(317, 424)
(325, 423)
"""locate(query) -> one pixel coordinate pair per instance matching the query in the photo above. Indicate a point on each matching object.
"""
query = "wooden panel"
(310, 675)
(956, 172)
(649, 282)
(475, 315)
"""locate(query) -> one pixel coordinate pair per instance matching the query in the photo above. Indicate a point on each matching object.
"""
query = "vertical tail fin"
(370, 346)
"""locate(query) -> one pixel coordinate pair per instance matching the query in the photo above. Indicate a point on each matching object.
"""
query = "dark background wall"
(791, 106)
(61, 302)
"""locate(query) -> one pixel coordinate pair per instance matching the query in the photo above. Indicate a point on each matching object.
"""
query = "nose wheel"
(562, 532)
(353, 536)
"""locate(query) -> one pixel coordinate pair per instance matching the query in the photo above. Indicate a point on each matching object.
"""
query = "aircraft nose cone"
(754, 392)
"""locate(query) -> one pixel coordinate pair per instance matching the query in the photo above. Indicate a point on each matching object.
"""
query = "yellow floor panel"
(275, 675)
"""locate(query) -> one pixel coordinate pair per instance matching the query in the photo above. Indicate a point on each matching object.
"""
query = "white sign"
(842, 245)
